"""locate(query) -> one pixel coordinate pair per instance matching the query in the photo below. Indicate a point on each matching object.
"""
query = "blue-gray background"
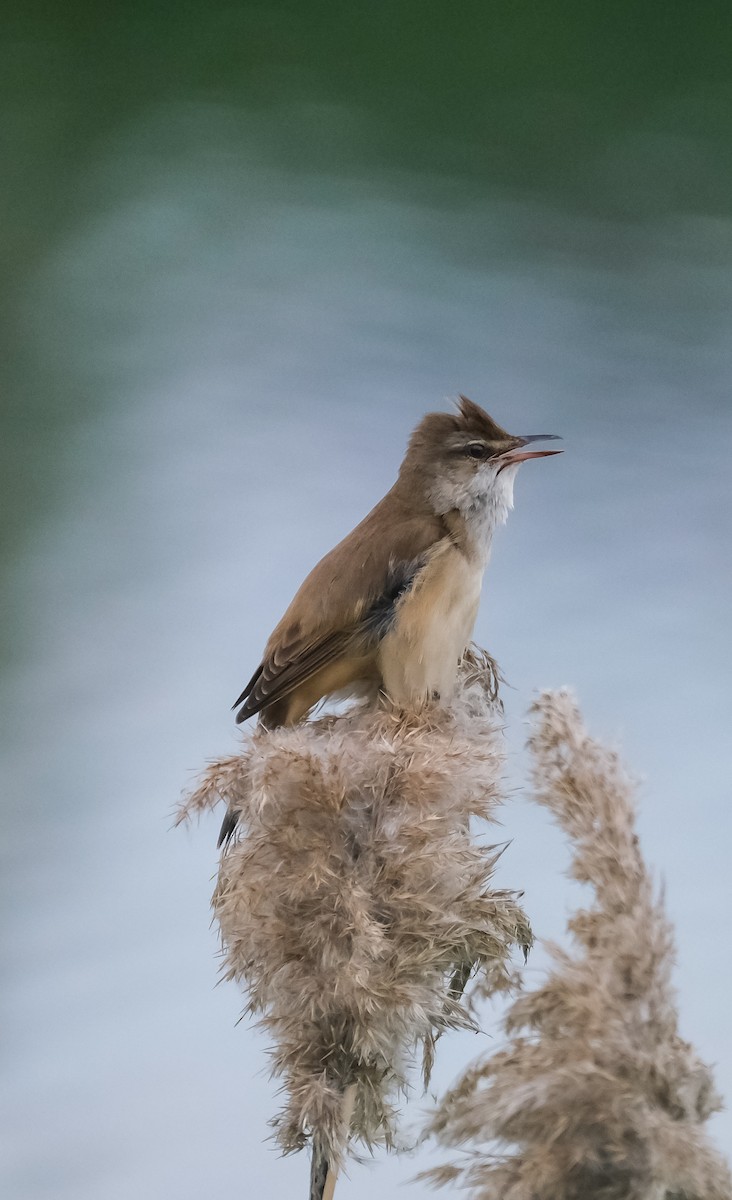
(245, 247)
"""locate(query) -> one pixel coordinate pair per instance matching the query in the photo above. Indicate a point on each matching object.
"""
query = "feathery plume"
(354, 902)
(595, 1096)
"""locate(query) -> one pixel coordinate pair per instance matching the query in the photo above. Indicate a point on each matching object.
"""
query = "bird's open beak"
(519, 455)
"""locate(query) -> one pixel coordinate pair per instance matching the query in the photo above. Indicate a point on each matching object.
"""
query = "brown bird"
(394, 604)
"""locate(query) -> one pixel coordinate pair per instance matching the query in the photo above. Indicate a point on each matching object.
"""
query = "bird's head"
(464, 460)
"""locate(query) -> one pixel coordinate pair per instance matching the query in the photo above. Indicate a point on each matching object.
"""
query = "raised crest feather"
(476, 420)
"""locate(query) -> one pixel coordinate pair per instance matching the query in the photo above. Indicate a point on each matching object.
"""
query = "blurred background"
(245, 247)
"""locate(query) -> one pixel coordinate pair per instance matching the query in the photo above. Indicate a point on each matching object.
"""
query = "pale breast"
(433, 624)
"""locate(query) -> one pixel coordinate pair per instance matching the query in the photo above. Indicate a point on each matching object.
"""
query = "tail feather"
(228, 825)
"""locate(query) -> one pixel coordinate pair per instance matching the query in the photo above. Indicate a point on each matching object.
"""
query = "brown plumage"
(394, 604)
(330, 632)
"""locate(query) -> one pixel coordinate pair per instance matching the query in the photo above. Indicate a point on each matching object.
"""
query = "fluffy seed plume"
(354, 902)
(595, 1097)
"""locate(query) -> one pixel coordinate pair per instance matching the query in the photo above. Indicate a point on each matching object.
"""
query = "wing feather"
(346, 602)
(276, 683)
(249, 686)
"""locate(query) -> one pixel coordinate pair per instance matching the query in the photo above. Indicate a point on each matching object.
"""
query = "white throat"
(484, 503)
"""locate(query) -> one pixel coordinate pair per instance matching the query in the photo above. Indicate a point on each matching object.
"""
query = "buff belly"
(433, 623)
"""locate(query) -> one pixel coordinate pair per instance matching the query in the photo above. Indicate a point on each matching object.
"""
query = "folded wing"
(345, 605)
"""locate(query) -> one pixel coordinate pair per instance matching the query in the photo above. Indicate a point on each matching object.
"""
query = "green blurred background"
(244, 248)
(618, 113)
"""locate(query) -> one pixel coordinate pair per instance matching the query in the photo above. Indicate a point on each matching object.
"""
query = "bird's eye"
(475, 450)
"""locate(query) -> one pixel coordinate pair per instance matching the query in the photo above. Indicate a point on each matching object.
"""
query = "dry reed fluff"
(595, 1096)
(354, 901)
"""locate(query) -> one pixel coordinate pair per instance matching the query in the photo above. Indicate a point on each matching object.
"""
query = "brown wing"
(281, 674)
(345, 604)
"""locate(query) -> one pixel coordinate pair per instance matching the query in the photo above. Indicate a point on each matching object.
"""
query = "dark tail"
(228, 825)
